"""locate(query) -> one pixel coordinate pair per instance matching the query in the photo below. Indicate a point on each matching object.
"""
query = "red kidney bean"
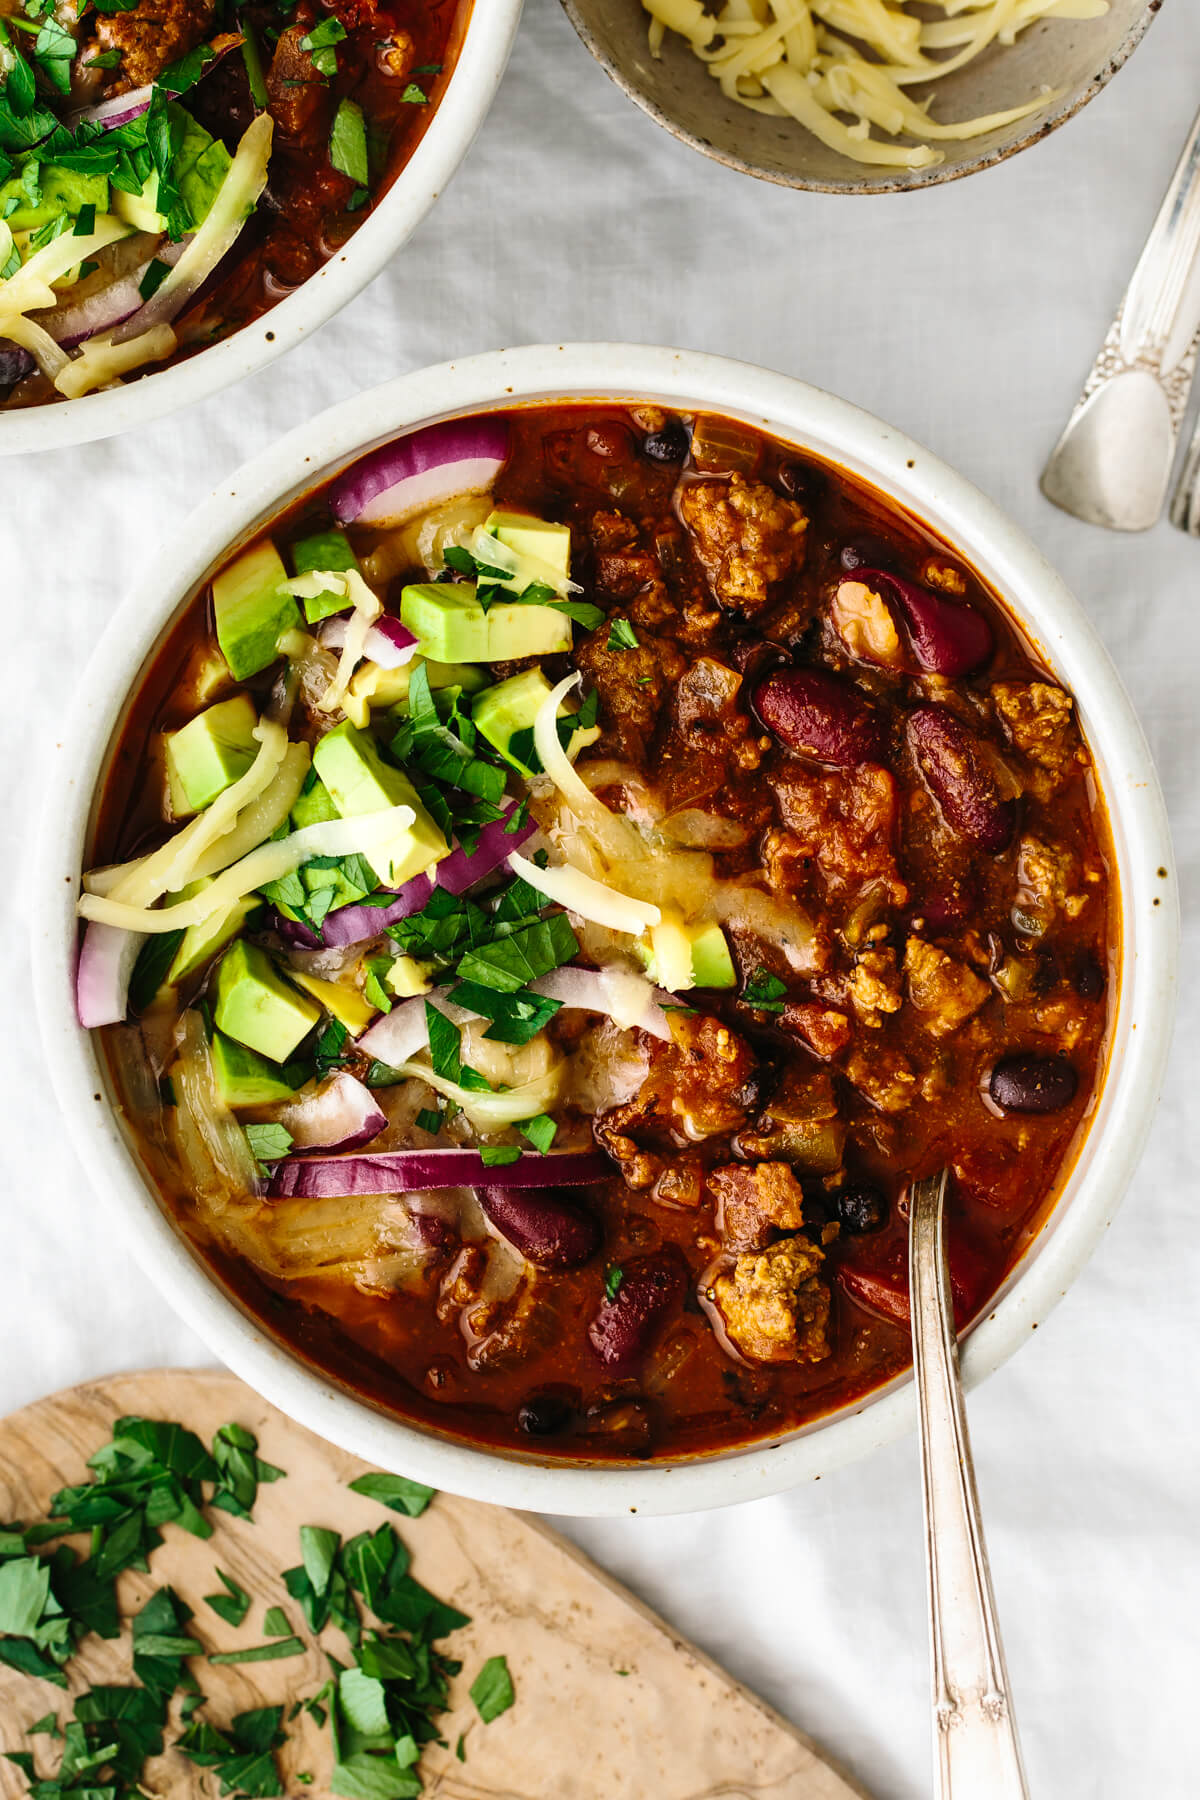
(626, 1326)
(948, 637)
(544, 1224)
(959, 779)
(1033, 1084)
(812, 711)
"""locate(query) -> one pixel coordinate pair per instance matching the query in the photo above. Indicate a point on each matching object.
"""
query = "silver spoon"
(976, 1752)
(1112, 465)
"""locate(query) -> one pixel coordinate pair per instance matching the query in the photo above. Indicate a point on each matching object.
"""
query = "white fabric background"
(968, 316)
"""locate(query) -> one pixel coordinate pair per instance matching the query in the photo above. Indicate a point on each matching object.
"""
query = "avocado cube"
(538, 542)
(508, 710)
(258, 1007)
(244, 1078)
(314, 805)
(209, 754)
(324, 550)
(515, 631)
(353, 1009)
(447, 621)
(359, 781)
(252, 610)
(201, 943)
(712, 965)
(60, 191)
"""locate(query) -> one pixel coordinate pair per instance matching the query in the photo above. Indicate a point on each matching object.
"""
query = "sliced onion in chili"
(339, 1115)
(414, 1171)
(495, 843)
(106, 959)
(459, 456)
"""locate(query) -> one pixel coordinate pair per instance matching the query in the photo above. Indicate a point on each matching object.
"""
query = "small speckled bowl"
(1075, 57)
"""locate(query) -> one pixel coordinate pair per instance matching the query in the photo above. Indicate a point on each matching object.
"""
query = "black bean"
(1090, 982)
(670, 445)
(1033, 1084)
(544, 1415)
(860, 1208)
(798, 481)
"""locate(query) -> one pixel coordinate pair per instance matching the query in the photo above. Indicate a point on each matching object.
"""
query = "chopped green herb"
(276, 1622)
(252, 57)
(460, 1749)
(540, 1131)
(290, 1646)
(156, 273)
(179, 76)
(85, 220)
(330, 1044)
(414, 96)
(231, 1606)
(428, 1120)
(241, 1758)
(320, 43)
(511, 963)
(492, 1689)
(445, 1042)
(348, 142)
(499, 1156)
(396, 1491)
(268, 1142)
(765, 992)
(240, 1470)
(621, 635)
(612, 1281)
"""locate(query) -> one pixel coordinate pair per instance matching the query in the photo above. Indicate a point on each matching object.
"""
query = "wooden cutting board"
(611, 1703)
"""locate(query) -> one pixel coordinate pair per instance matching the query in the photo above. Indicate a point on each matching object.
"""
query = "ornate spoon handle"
(976, 1752)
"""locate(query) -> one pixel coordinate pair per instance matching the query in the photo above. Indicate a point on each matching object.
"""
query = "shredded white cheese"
(839, 67)
(590, 899)
(270, 862)
(101, 361)
(615, 836)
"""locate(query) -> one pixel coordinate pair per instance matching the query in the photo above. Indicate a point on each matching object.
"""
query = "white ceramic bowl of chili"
(482, 59)
(1037, 598)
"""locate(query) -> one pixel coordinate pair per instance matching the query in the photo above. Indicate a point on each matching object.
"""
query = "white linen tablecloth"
(968, 316)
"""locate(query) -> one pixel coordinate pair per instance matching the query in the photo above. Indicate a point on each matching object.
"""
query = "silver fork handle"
(977, 1755)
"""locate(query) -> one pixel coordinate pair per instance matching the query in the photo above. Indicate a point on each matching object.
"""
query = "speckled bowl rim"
(917, 480)
(483, 58)
(882, 183)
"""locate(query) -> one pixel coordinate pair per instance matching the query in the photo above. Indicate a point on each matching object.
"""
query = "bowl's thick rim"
(913, 181)
(918, 480)
(483, 58)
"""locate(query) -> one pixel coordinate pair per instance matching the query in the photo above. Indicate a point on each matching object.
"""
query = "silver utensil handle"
(977, 1755)
(1155, 327)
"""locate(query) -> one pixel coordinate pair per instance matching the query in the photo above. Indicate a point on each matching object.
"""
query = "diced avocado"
(202, 942)
(407, 976)
(210, 753)
(359, 781)
(59, 191)
(345, 1003)
(252, 610)
(505, 715)
(258, 1007)
(244, 1078)
(314, 806)
(515, 631)
(447, 620)
(712, 965)
(705, 948)
(467, 676)
(324, 550)
(538, 542)
(198, 168)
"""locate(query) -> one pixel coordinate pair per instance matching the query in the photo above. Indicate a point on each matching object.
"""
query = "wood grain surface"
(611, 1704)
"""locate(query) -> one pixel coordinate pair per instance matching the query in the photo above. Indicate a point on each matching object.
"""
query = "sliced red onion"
(411, 1171)
(72, 324)
(388, 642)
(459, 871)
(340, 1115)
(355, 923)
(120, 109)
(106, 959)
(292, 933)
(460, 456)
